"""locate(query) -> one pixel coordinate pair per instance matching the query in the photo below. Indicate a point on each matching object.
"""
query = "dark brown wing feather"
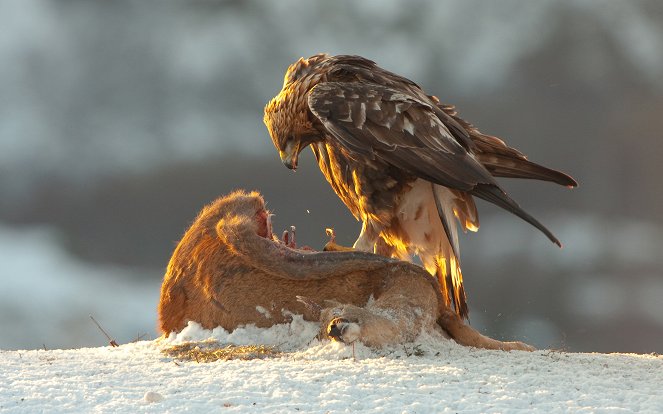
(375, 121)
(348, 68)
(502, 160)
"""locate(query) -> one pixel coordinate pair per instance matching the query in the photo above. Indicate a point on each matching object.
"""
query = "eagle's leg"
(384, 249)
(367, 238)
(365, 242)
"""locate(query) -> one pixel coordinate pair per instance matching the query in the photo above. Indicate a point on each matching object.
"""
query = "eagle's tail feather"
(497, 196)
(507, 166)
(502, 160)
(443, 203)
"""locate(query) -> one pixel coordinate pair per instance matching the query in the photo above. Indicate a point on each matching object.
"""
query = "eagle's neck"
(337, 169)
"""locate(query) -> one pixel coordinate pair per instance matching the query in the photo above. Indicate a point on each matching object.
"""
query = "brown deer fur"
(229, 270)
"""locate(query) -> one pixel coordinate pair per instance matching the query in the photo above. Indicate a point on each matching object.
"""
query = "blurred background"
(120, 120)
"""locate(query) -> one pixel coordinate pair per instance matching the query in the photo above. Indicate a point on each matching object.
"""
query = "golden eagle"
(404, 164)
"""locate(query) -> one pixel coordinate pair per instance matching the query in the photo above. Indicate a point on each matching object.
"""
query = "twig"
(111, 341)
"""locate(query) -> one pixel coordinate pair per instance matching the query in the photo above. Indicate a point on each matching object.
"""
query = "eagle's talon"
(331, 245)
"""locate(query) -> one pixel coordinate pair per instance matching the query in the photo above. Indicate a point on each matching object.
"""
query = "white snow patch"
(288, 337)
(428, 376)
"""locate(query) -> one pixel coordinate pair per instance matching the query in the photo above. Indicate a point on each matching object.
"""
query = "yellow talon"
(331, 245)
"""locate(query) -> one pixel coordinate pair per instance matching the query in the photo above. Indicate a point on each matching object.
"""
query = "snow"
(431, 375)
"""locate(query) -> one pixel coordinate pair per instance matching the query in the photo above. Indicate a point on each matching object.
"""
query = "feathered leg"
(428, 218)
(445, 267)
(367, 238)
(366, 242)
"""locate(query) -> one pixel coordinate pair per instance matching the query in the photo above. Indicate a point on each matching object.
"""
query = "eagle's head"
(287, 115)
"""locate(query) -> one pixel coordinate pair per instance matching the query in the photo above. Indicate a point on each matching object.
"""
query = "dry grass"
(210, 351)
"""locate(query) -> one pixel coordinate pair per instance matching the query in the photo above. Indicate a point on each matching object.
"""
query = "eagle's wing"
(375, 121)
(359, 69)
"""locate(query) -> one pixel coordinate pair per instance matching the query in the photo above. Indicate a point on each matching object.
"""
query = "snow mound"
(299, 340)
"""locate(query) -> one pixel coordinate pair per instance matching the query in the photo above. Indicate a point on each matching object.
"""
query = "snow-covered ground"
(311, 376)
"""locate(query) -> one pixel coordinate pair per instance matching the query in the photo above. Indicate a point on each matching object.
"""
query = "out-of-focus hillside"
(119, 120)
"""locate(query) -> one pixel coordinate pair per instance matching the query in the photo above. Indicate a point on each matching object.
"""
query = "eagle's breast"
(371, 189)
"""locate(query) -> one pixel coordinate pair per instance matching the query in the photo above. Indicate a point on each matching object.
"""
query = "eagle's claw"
(331, 245)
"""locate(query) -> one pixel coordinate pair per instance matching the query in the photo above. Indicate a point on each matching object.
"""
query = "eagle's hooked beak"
(290, 154)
